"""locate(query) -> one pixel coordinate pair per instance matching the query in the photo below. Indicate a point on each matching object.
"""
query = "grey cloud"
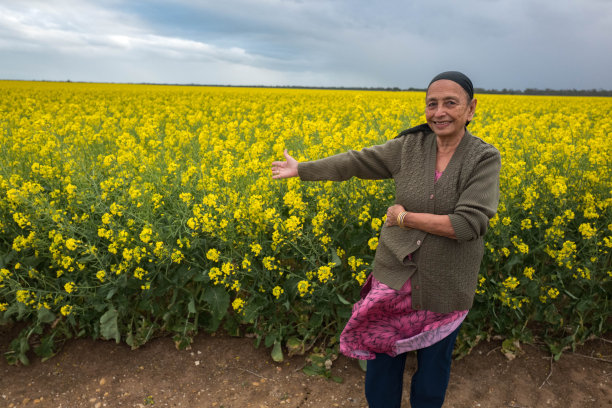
(45, 29)
(500, 43)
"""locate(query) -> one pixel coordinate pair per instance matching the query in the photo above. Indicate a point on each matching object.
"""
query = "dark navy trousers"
(385, 375)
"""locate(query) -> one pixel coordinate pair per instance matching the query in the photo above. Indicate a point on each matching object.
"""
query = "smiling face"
(448, 108)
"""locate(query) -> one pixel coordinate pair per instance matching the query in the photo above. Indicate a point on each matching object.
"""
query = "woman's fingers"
(390, 218)
(287, 156)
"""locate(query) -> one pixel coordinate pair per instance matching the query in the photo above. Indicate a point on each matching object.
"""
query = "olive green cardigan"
(443, 271)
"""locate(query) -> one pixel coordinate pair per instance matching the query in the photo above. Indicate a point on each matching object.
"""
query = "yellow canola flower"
(177, 256)
(139, 273)
(511, 282)
(4, 273)
(520, 245)
(70, 287)
(213, 255)
(116, 209)
(376, 223)
(66, 310)
(526, 224)
(324, 274)
(238, 305)
(23, 296)
(269, 263)
(553, 293)
(303, 287)
(277, 291)
(72, 244)
(373, 243)
(587, 230)
(186, 197)
(145, 234)
(106, 218)
(214, 274)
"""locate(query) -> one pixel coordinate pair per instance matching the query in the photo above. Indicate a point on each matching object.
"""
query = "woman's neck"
(449, 144)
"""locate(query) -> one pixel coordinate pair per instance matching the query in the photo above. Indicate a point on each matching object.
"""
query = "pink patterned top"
(383, 321)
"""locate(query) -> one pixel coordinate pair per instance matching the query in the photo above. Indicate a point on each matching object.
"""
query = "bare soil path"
(224, 372)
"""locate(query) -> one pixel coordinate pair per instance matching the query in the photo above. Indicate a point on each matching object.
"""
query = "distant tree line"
(504, 91)
(547, 91)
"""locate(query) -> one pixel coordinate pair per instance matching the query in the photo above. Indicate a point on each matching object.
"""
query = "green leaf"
(45, 315)
(191, 306)
(5, 260)
(201, 276)
(45, 348)
(24, 359)
(109, 329)
(337, 379)
(584, 305)
(342, 299)
(232, 327)
(295, 346)
(270, 339)
(111, 293)
(218, 300)
(556, 349)
(363, 364)
(311, 370)
(210, 323)
(24, 346)
(22, 311)
(181, 342)
(277, 352)
(335, 258)
(129, 340)
(252, 309)
(510, 263)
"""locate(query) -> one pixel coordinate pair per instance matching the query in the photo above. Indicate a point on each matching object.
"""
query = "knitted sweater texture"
(444, 271)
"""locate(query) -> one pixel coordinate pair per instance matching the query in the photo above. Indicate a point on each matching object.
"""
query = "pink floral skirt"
(383, 321)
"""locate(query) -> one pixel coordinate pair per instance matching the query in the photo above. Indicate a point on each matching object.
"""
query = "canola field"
(127, 211)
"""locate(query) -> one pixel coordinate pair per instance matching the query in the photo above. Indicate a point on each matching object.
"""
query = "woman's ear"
(472, 109)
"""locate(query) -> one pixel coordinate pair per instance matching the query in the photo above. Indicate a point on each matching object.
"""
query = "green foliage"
(131, 220)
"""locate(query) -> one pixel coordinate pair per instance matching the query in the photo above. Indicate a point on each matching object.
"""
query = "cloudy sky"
(518, 44)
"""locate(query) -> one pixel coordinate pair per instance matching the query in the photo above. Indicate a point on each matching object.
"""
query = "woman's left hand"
(392, 213)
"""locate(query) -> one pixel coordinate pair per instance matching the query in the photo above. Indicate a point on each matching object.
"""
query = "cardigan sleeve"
(376, 162)
(477, 203)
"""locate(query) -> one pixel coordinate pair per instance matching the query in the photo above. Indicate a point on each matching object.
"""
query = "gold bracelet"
(402, 226)
(400, 219)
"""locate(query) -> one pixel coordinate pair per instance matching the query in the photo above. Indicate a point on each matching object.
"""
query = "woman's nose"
(440, 111)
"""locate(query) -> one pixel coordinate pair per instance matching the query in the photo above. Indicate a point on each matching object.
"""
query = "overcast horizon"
(500, 44)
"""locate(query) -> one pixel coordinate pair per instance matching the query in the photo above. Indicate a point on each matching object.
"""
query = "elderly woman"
(426, 265)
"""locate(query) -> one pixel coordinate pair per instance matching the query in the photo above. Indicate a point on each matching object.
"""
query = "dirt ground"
(224, 372)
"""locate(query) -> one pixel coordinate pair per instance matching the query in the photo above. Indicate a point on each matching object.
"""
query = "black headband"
(457, 77)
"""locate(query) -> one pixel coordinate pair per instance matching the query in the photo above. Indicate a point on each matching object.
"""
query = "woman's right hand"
(285, 169)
